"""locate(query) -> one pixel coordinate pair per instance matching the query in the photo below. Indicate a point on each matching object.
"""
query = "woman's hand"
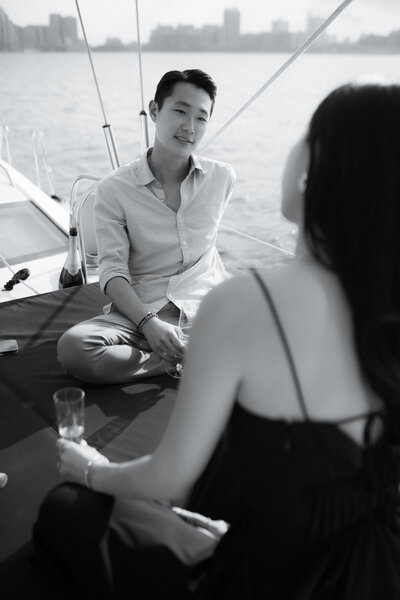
(75, 460)
(163, 339)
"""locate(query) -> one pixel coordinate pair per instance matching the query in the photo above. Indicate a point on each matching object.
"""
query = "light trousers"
(110, 349)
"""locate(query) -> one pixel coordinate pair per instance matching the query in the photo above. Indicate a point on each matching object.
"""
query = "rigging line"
(254, 239)
(91, 61)
(107, 130)
(302, 48)
(139, 52)
(143, 114)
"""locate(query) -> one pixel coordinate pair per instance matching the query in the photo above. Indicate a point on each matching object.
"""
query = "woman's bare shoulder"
(237, 303)
(247, 286)
(232, 293)
(293, 288)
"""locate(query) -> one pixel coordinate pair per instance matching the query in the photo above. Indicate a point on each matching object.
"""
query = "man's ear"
(153, 110)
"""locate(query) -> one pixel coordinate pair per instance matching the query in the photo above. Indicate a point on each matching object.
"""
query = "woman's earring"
(302, 182)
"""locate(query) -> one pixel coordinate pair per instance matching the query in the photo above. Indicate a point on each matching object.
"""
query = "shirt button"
(184, 243)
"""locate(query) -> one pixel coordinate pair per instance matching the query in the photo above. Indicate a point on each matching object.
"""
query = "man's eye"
(179, 110)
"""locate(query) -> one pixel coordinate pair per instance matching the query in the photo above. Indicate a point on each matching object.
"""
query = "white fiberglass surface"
(26, 233)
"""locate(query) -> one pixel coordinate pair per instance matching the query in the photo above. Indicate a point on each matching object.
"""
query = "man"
(156, 225)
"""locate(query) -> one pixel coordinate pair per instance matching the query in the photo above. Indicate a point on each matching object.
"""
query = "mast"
(107, 129)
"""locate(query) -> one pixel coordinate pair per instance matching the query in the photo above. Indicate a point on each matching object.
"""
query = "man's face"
(183, 119)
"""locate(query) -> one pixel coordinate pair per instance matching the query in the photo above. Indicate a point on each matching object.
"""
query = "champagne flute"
(184, 326)
(69, 404)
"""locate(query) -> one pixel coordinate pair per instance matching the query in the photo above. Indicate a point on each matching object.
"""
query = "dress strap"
(359, 417)
(285, 343)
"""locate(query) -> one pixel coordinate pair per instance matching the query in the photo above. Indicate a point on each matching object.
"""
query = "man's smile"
(183, 139)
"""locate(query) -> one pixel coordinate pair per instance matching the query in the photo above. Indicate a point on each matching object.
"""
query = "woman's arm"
(213, 371)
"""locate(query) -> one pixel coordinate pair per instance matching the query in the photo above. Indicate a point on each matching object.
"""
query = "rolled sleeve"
(112, 237)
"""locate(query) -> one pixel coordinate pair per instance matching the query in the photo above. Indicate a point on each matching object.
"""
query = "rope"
(7, 264)
(139, 52)
(301, 49)
(91, 61)
(254, 239)
(143, 114)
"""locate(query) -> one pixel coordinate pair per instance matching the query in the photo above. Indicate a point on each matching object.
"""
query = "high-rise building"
(313, 23)
(35, 37)
(55, 33)
(212, 36)
(231, 27)
(280, 26)
(69, 30)
(10, 34)
(62, 32)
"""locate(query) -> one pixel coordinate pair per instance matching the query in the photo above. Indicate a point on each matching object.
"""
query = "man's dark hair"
(196, 77)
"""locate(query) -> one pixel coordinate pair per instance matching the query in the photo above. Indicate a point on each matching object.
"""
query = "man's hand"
(163, 338)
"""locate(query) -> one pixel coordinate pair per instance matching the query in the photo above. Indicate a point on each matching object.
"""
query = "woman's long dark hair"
(352, 219)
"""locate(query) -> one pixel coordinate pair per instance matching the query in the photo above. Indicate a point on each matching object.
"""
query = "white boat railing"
(39, 154)
(5, 153)
(81, 217)
(7, 172)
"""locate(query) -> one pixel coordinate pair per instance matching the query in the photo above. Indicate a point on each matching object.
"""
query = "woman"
(303, 362)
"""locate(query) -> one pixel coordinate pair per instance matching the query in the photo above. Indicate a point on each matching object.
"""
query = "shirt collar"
(143, 172)
(196, 164)
(145, 176)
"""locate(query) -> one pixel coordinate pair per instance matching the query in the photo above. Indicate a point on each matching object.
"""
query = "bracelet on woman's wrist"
(147, 317)
(86, 472)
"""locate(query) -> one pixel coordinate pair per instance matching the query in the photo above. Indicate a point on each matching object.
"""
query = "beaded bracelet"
(89, 466)
(146, 318)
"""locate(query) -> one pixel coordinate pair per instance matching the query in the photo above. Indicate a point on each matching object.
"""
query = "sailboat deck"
(123, 421)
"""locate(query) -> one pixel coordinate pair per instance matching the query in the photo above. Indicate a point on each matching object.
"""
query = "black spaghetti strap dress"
(320, 514)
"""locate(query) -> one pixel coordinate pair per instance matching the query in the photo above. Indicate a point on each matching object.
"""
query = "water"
(55, 93)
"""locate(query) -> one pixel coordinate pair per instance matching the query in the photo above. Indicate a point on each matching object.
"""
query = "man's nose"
(189, 124)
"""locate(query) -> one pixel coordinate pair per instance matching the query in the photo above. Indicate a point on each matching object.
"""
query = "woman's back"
(319, 516)
(316, 322)
(319, 502)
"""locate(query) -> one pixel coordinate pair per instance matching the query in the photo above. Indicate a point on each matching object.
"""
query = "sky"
(117, 18)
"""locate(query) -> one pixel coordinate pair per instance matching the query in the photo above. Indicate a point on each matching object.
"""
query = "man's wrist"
(146, 318)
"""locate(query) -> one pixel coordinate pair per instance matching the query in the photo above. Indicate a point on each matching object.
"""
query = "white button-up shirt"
(165, 255)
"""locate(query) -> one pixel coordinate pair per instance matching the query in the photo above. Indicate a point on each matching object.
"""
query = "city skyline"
(61, 34)
(102, 20)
